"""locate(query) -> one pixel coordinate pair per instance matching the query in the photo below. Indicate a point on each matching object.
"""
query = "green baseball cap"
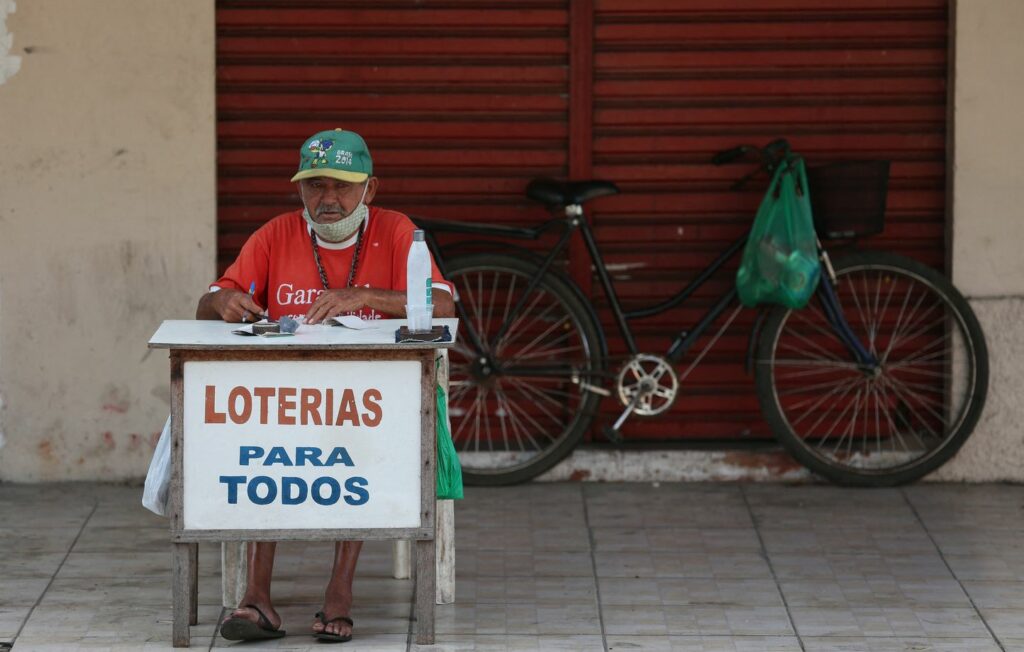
(335, 153)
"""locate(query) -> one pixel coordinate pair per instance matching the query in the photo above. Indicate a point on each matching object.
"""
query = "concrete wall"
(107, 218)
(988, 223)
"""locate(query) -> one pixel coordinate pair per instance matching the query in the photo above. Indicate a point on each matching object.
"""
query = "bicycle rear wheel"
(893, 423)
(516, 402)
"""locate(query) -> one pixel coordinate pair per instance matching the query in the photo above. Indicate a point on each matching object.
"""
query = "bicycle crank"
(646, 385)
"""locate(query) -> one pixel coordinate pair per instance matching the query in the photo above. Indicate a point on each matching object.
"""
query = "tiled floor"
(722, 567)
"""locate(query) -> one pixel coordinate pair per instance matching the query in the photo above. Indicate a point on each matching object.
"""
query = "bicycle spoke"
(827, 354)
(517, 326)
(548, 354)
(513, 423)
(502, 416)
(494, 295)
(922, 400)
(526, 351)
(853, 420)
(815, 362)
(526, 417)
(480, 293)
(899, 319)
(913, 369)
(508, 298)
(462, 424)
(808, 388)
(814, 318)
(937, 324)
(472, 302)
(544, 394)
(878, 426)
(513, 332)
(941, 391)
(835, 424)
(893, 429)
(530, 391)
(910, 407)
(825, 413)
(924, 353)
(481, 414)
(849, 384)
(900, 326)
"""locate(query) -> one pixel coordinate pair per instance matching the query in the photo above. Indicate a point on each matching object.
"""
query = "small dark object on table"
(435, 334)
(269, 327)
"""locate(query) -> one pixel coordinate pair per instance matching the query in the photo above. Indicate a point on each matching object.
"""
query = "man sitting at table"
(335, 256)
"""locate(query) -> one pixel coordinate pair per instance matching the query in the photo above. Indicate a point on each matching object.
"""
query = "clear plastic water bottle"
(418, 301)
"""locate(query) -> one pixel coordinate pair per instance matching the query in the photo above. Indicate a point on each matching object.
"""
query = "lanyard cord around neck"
(352, 267)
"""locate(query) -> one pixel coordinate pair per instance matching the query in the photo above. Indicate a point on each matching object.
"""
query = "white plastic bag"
(158, 480)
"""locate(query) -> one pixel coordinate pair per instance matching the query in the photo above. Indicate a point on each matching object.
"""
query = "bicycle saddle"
(564, 193)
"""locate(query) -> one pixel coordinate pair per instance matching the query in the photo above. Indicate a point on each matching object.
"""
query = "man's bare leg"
(338, 597)
(260, 556)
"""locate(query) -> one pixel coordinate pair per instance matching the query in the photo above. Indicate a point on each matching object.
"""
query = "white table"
(200, 350)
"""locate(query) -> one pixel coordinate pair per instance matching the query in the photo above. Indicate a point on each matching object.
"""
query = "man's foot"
(333, 630)
(334, 620)
(252, 622)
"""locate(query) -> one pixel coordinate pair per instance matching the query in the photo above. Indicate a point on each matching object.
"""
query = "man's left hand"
(332, 303)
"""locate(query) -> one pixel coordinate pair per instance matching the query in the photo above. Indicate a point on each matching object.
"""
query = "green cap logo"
(338, 154)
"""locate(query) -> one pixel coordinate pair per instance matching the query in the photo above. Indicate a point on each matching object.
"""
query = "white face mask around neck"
(343, 228)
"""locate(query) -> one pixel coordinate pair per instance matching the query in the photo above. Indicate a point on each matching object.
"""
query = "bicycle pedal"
(612, 435)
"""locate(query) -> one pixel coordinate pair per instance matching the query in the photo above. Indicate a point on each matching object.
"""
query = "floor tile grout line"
(593, 565)
(771, 568)
(71, 547)
(942, 556)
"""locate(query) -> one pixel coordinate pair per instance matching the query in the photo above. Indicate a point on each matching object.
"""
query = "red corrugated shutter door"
(461, 105)
(464, 102)
(676, 81)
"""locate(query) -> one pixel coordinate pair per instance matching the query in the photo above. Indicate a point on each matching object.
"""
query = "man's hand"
(229, 305)
(332, 303)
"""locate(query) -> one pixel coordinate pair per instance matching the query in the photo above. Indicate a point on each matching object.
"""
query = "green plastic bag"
(780, 260)
(449, 471)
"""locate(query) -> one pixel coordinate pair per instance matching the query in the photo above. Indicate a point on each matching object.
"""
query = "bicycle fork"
(837, 318)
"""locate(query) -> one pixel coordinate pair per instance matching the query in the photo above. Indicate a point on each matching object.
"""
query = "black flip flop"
(332, 638)
(243, 629)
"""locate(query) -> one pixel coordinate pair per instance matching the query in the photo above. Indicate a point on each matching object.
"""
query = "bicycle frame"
(685, 339)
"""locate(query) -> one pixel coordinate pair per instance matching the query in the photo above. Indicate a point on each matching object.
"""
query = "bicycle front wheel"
(517, 402)
(891, 423)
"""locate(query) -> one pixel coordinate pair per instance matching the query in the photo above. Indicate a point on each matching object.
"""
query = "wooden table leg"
(445, 542)
(425, 592)
(193, 580)
(181, 563)
(194, 583)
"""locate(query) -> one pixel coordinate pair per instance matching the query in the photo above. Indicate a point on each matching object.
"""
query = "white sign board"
(301, 445)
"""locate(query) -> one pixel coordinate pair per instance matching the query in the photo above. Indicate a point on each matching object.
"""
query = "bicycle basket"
(848, 198)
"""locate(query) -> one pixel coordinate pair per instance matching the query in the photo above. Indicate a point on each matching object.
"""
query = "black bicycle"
(877, 381)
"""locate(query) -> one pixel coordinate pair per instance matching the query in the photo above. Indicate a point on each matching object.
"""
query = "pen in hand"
(252, 291)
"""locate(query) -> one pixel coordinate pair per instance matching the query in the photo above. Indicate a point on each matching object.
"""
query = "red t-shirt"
(279, 257)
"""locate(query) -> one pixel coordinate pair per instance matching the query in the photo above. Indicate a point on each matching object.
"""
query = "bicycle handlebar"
(770, 153)
(770, 156)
